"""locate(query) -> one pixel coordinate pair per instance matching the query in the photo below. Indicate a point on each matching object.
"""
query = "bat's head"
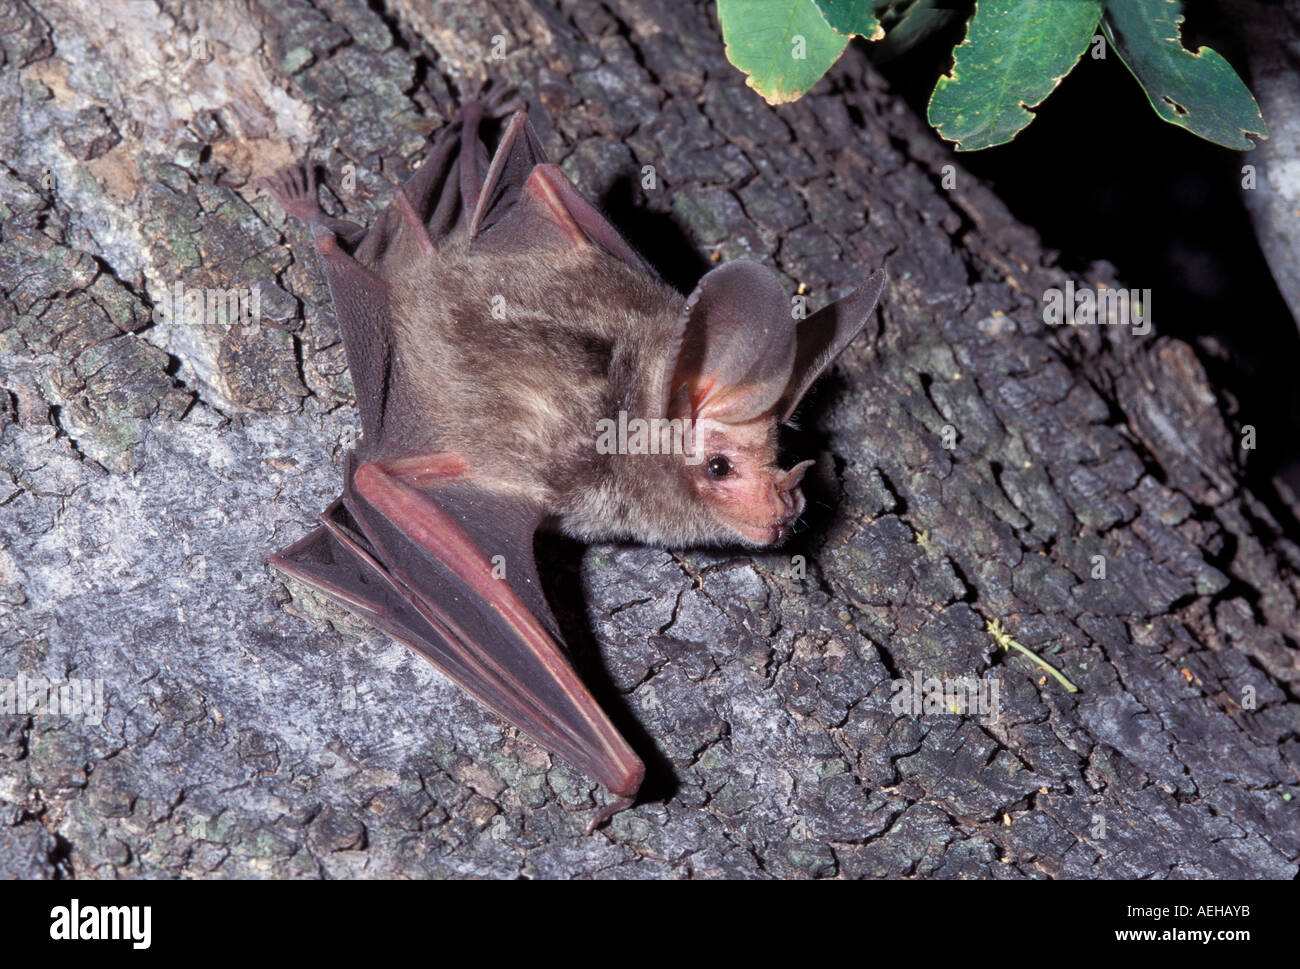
(733, 470)
(744, 360)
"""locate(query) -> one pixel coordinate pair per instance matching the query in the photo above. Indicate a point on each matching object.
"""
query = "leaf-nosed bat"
(497, 329)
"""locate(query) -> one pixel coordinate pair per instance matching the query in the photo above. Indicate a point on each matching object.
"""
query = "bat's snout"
(784, 504)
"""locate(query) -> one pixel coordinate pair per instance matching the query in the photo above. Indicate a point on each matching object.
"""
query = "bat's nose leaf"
(791, 479)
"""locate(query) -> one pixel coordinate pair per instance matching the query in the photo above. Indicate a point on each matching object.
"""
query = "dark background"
(1101, 176)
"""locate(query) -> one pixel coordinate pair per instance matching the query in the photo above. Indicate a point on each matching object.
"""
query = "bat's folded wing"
(336, 560)
(447, 568)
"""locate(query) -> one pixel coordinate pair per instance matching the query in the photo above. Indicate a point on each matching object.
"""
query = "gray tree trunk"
(1077, 488)
(1270, 37)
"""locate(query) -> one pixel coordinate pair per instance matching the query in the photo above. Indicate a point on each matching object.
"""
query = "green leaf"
(851, 17)
(1198, 91)
(1014, 55)
(785, 46)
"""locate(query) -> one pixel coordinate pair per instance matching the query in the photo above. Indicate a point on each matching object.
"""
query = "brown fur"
(520, 396)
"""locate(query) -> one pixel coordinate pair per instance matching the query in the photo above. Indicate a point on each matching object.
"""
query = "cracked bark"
(149, 468)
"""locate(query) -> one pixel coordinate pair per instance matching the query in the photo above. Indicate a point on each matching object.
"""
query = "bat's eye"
(719, 467)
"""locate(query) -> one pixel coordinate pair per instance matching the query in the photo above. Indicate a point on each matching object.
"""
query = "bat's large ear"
(825, 334)
(736, 354)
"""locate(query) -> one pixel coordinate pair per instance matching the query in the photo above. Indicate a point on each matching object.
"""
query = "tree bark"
(1079, 488)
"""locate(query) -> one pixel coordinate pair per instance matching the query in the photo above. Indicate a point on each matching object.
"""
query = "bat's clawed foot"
(470, 88)
(494, 99)
(294, 190)
(504, 101)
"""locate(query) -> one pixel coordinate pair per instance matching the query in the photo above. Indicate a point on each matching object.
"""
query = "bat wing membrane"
(338, 561)
(449, 571)
(527, 202)
(442, 195)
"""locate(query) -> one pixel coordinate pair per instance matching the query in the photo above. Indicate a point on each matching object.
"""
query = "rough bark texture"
(147, 469)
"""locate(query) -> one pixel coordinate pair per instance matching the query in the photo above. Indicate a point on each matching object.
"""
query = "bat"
(518, 365)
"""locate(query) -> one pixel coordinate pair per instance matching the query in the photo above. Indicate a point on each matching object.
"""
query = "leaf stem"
(1003, 639)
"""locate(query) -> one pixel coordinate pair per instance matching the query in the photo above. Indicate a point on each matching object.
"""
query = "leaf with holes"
(785, 46)
(851, 17)
(1014, 55)
(1197, 90)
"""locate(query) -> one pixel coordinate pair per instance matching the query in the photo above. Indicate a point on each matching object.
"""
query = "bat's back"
(511, 358)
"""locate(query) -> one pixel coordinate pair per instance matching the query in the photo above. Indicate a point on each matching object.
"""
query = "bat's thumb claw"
(608, 811)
